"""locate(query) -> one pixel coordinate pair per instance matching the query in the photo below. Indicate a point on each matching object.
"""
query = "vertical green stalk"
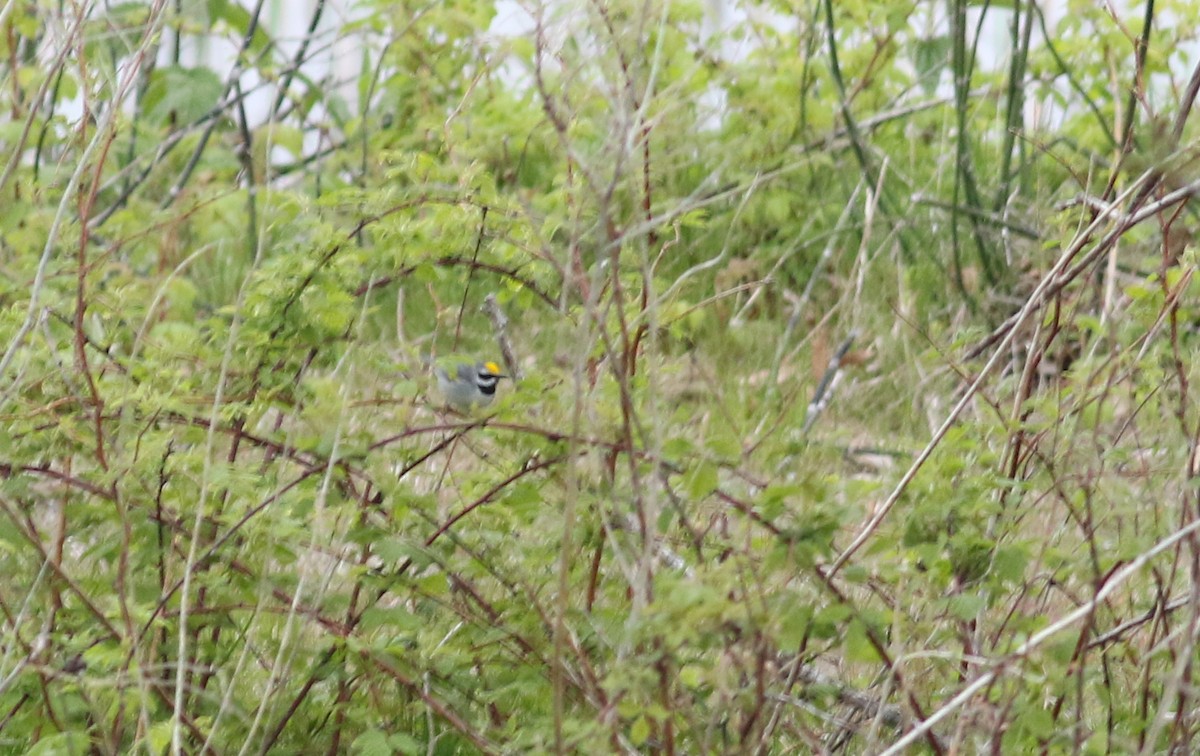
(964, 181)
(1014, 99)
(856, 141)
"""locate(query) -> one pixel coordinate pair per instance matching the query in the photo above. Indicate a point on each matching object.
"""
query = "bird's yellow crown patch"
(492, 367)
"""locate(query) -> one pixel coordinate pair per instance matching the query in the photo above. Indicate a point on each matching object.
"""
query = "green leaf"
(159, 735)
(372, 743)
(1036, 721)
(678, 448)
(702, 481)
(858, 644)
(931, 57)
(639, 732)
(391, 617)
(827, 622)
(238, 19)
(725, 448)
(186, 93)
(794, 625)
(691, 676)
(60, 744)
(524, 498)
(405, 744)
(395, 550)
(966, 606)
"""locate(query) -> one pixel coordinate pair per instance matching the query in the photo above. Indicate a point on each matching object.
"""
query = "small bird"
(470, 386)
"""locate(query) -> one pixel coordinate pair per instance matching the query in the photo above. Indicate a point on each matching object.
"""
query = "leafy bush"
(849, 401)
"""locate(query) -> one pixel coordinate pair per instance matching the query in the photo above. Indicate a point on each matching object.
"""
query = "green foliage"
(742, 264)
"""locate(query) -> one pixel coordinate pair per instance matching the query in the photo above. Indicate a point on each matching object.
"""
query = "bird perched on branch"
(468, 386)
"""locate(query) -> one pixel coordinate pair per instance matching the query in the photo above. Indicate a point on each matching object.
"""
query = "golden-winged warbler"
(469, 386)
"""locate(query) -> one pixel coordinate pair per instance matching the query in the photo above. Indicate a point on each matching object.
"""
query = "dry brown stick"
(500, 325)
